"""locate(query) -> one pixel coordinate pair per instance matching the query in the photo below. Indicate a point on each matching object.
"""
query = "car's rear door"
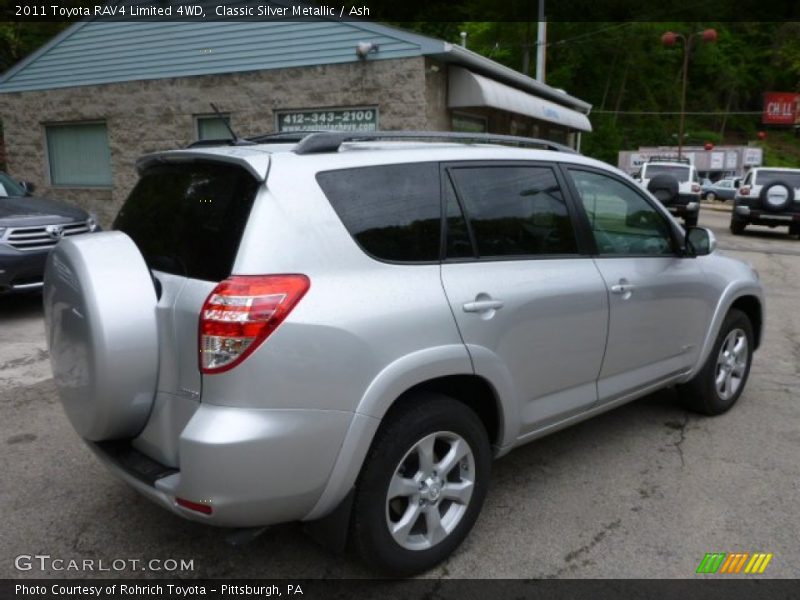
(659, 301)
(187, 219)
(529, 303)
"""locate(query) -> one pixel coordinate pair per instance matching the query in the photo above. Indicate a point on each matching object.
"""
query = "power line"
(664, 112)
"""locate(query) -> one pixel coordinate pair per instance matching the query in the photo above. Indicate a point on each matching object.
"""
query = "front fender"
(734, 291)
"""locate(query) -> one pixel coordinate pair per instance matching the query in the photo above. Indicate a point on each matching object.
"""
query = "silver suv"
(347, 329)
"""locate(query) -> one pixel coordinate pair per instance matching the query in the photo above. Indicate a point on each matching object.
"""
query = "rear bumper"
(21, 271)
(686, 205)
(757, 216)
(252, 467)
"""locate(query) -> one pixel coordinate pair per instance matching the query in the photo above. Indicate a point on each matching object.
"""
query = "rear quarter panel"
(359, 315)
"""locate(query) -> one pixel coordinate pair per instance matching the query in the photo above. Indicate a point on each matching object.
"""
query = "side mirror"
(28, 187)
(700, 241)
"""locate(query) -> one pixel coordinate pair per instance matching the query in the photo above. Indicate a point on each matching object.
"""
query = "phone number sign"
(336, 119)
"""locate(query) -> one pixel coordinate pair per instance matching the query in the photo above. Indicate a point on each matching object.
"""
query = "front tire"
(718, 385)
(422, 485)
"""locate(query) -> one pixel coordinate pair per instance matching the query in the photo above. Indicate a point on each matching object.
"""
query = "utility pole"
(541, 43)
(670, 38)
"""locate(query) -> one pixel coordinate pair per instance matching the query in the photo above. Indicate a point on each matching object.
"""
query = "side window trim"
(573, 191)
(584, 250)
(446, 179)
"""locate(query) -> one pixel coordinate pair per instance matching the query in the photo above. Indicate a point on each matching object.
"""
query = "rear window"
(187, 219)
(764, 177)
(682, 174)
(392, 211)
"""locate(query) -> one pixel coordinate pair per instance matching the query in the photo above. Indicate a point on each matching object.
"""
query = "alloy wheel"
(430, 490)
(731, 364)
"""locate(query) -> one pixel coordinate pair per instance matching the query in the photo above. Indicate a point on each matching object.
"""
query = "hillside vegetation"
(634, 82)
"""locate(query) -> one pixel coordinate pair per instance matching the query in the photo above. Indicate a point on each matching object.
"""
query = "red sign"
(781, 108)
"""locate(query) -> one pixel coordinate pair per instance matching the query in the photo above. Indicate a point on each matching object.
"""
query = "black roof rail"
(330, 141)
(221, 142)
(278, 137)
(285, 136)
(205, 143)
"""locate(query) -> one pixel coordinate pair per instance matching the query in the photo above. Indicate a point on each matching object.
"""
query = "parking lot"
(643, 491)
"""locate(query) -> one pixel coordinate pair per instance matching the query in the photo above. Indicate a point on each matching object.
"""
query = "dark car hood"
(32, 211)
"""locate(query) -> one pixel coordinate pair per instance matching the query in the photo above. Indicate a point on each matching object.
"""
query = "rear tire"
(711, 196)
(718, 385)
(690, 221)
(737, 226)
(422, 485)
(794, 229)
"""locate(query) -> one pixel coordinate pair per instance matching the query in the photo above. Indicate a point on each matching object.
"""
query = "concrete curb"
(716, 206)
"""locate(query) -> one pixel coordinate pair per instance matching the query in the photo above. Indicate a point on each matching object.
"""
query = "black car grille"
(42, 237)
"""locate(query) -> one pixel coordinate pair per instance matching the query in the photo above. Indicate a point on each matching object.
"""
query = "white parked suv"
(768, 196)
(676, 184)
(345, 329)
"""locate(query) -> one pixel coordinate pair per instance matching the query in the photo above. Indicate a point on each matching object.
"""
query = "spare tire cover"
(664, 187)
(776, 196)
(100, 315)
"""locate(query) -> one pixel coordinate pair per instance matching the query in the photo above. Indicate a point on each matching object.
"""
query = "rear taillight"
(241, 313)
(744, 190)
(695, 188)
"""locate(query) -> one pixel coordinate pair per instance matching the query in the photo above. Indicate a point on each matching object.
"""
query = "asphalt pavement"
(645, 490)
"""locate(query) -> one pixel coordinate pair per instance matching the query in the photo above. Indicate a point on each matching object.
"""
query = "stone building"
(78, 113)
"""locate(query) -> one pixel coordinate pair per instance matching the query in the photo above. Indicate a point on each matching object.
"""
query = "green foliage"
(781, 149)
(18, 39)
(622, 69)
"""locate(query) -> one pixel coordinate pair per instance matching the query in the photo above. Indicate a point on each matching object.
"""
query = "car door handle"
(623, 288)
(483, 305)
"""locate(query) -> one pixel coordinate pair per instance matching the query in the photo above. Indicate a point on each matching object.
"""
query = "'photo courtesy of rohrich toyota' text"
(446, 299)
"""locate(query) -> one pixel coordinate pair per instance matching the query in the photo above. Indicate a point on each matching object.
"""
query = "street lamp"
(670, 38)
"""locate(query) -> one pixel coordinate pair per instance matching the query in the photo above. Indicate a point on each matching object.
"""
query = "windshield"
(9, 187)
(768, 176)
(680, 173)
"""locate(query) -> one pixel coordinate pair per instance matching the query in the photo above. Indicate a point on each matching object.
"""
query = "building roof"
(93, 52)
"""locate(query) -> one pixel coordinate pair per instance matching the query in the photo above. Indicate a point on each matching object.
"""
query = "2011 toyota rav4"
(352, 330)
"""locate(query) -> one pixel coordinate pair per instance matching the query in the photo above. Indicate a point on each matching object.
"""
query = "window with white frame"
(78, 154)
(212, 127)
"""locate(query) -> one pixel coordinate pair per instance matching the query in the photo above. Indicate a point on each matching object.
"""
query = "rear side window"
(515, 211)
(187, 218)
(392, 211)
(767, 176)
